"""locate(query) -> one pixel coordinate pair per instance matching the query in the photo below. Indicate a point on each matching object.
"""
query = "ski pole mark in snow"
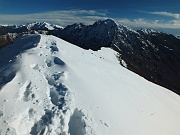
(104, 123)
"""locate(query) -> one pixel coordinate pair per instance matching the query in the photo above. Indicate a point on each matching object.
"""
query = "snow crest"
(41, 102)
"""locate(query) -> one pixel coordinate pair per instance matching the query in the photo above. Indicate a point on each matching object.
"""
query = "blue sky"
(163, 15)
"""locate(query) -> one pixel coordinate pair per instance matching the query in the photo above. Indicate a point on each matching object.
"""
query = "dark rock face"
(149, 53)
(157, 59)
(7, 39)
(95, 36)
(12, 29)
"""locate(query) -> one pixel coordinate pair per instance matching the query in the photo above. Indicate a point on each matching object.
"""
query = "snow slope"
(49, 86)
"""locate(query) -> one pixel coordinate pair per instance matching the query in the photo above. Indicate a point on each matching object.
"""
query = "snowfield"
(51, 87)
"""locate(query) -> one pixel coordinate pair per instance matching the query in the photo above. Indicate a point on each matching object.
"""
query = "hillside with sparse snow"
(51, 87)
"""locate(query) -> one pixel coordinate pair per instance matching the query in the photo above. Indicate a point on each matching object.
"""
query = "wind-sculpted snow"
(51, 87)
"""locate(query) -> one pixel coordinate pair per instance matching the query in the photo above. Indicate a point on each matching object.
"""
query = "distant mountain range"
(152, 54)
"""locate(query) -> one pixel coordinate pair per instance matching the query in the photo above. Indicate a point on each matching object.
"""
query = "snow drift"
(49, 86)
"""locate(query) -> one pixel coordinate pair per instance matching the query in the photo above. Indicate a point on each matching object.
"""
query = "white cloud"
(143, 23)
(176, 16)
(63, 17)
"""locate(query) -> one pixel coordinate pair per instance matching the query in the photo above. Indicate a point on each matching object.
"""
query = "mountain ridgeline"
(152, 54)
(149, 53)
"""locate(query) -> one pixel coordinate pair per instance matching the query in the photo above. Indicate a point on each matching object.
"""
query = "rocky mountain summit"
(152, 54)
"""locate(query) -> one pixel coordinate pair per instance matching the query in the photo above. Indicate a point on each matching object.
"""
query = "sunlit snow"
(49, 86)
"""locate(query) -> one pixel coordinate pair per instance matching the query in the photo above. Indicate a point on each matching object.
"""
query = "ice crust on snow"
(49, 87)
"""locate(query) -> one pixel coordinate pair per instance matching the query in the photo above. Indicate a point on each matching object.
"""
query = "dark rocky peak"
(102, 27)
(75, 26)
(95, 36)
(106, 23)
(7, 39)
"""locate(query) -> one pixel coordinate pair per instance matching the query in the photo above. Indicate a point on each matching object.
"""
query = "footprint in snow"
(40, 126)
(48, 62)
(54, 49)
(58, 91)
(77, 125)
(34, 66)
(1, 113)
(58, 61)
(60, 76)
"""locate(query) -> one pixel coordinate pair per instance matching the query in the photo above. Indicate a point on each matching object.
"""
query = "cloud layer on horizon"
(176, 16)
(67, 17)
(63, 17)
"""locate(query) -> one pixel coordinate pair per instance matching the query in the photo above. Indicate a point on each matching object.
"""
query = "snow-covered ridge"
(148, 31)
(43, 25)
(35, 26)
(49, 86)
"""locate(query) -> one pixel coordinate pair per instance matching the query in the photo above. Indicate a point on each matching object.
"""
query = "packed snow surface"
(51, 87)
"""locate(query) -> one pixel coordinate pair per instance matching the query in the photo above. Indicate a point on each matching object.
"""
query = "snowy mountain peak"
(42, 26)
(32, 26)
(111, 24)
(148, 31)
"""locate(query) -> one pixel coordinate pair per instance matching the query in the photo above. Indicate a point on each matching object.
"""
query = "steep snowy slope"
(49, 86)
(151, 54)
